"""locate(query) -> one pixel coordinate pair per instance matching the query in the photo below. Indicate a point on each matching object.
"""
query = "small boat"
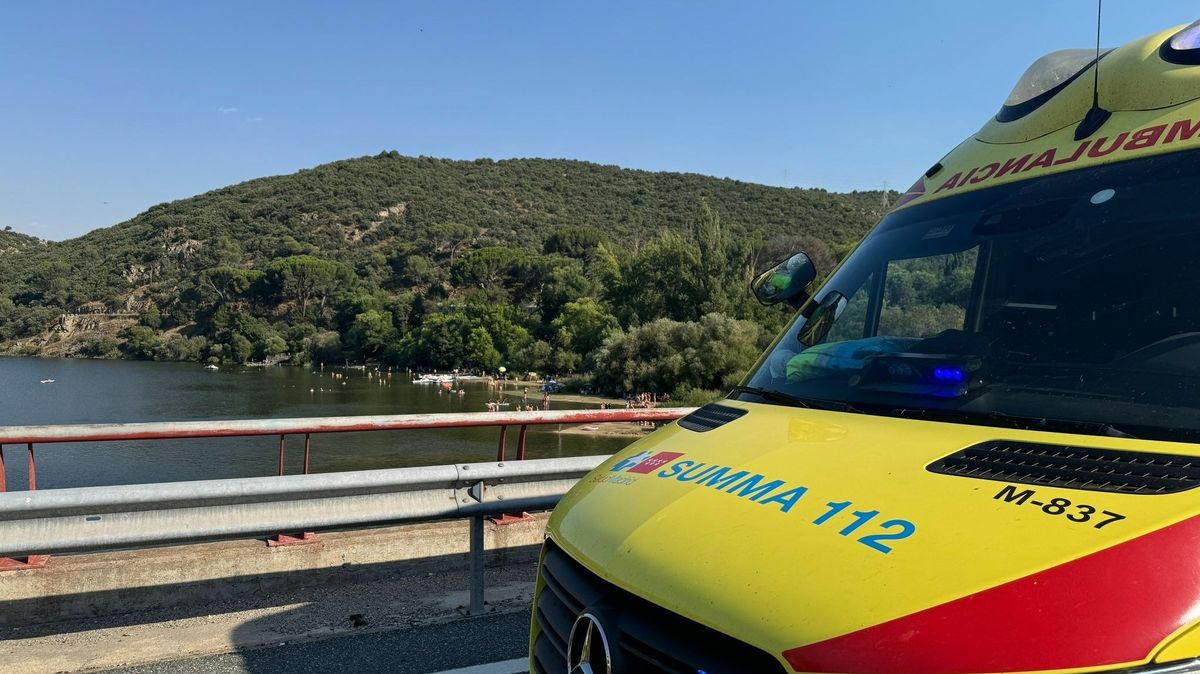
(211, 367)
(47, 381)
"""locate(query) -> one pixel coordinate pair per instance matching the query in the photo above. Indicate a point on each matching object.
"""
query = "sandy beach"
(626, 429)
(535, 397)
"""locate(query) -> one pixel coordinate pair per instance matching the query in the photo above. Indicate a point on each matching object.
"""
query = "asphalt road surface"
(490, 644)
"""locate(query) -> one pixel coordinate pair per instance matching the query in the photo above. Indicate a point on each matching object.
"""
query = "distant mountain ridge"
(393, 224)
(337, 205)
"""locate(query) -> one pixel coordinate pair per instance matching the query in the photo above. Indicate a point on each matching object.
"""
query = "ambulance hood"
(830, 541)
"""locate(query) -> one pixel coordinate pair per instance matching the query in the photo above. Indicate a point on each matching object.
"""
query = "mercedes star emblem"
(587, 647)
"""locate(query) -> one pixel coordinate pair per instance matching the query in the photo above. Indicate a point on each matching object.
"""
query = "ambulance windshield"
(1068, 302)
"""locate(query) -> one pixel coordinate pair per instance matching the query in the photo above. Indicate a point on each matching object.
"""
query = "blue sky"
(107, 108)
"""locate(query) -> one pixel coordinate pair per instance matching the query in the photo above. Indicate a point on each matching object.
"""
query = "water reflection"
(93, 391)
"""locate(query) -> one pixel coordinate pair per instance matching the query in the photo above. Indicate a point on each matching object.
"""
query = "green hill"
(12, 242)
(370, 257)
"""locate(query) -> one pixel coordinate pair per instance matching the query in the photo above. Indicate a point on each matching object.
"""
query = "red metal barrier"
(31, 471)
(175, 430)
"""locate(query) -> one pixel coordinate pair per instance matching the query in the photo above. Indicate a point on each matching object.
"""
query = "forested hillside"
(11, 241)
(422, 262)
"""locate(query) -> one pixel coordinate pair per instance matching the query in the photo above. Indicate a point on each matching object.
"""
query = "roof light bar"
(1184, 47)
(1046, 77)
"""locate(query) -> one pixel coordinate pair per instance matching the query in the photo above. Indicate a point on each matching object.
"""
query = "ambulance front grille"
(645, 637)
(1073, 467)
(711, 416)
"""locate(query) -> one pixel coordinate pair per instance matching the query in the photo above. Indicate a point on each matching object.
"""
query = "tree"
(489, 267)
(565, 360)
(240, 348)
(241, 336)
(223, 251)
(452, 337)
(178, 347)
(350, 305)
(440, 341)
(304, 279)
(583, 326)
(577, 242)
(9, 315)
(664, 281)
(371, 332)
(604, 269)
(664, 355)
(453, 237)
(151, 317)
(717, 271)
(100, 347)
(51, 280)
(536, 357)
(553, 281)
(225, 284)
(417, 270)
(141, 342)
(270, 345)
(481, 352)
(324, 346)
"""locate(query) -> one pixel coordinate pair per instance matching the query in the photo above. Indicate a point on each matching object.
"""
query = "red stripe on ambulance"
(1110, 607)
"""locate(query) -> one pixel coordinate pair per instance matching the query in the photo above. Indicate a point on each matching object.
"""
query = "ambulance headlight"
(1042, 80)
(1183, 47)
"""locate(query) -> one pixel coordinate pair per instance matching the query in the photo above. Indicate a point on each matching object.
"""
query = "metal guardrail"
(84, 519)
(98, 518)
(176, 430)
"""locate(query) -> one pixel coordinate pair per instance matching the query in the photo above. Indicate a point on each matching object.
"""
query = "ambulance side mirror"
(785, 282)
(821, 319)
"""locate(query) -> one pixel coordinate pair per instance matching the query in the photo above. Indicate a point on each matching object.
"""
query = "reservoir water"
(110, 391)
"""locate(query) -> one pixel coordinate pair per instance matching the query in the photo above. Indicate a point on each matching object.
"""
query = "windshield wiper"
(1014, 421)
(782, 398)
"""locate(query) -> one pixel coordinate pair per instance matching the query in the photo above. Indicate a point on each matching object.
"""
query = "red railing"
(177, 430)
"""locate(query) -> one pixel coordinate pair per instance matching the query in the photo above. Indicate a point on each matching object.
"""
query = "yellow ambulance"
(974, 447)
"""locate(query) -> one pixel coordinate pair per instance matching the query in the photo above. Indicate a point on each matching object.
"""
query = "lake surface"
(111, 391)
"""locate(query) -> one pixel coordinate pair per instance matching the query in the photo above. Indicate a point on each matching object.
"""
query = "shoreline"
(613, 429)
(535, 398)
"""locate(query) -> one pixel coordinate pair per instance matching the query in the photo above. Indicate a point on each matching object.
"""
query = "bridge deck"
(407, 624)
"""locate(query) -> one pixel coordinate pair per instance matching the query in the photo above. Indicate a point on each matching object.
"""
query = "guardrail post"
(22, 563)
(31, 561)
(307, 444)
(32, 470)
(284, 540)
(281, 440)
(477, 560)
(503, 436)
(304, 537)
(521, 442)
